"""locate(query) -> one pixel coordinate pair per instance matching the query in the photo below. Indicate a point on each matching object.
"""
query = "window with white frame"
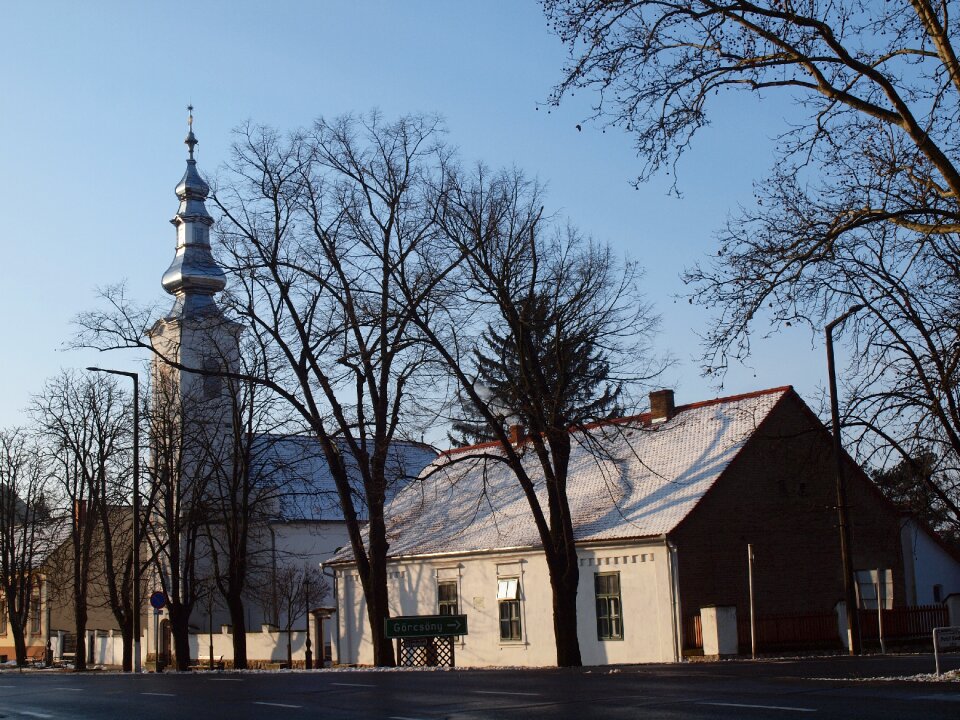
(508, 601)
(447, 601)
(609, 609)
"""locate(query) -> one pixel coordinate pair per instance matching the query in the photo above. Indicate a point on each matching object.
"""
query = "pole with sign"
(426, 639)
(158, 601)
(944, 638)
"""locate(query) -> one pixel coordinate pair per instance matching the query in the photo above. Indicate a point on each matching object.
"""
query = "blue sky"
(91, 133)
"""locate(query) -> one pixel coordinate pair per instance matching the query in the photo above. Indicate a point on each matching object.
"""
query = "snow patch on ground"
(949, 676)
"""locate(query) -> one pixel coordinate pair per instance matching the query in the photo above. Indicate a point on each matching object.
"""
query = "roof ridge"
(643, 417)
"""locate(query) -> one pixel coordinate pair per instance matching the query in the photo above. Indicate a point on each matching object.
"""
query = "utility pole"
(136, 509)
(853, 618)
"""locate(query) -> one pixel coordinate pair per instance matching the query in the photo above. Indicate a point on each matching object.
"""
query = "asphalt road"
(810, 688)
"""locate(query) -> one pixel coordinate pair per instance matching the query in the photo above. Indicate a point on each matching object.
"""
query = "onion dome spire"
(194, 276)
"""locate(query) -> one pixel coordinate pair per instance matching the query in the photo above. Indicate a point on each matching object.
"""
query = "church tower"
(194, 337)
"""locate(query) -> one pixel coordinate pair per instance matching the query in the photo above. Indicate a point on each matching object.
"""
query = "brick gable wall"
(779, 494)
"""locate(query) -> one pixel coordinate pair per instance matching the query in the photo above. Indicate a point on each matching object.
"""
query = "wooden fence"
(810, 630)
(692, 633)
(904, 622)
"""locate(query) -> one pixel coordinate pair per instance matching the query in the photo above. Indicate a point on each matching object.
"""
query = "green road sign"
(412, 626)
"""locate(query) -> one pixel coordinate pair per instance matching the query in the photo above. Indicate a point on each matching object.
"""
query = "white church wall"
(297, 543)
(644, 578)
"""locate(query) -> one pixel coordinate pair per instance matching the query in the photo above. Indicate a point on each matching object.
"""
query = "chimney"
(516, 434)
(661, 406)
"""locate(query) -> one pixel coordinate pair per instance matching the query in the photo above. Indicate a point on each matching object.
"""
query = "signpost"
(944, 638)
(421, 626)
(157, 601)
(426, 639)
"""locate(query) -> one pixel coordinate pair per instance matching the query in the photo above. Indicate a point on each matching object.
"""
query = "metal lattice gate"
(426, 652)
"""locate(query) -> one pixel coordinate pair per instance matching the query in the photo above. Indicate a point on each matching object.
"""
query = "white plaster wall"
(645, 596)
(263, 646)
(306, 544)
(930, 563)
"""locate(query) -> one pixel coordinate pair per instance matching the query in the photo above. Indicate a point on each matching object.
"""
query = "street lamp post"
(136, 508)
(853, 618)
(308, 657)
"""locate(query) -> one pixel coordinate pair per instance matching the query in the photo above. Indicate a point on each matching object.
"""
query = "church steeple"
(193, 277)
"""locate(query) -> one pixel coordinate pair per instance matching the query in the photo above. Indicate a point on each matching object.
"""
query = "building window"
(609, 611)
(212, 384)
(3, 618)
(938, 593)
(447, 598)
(869, 582)
(35, 615)
(508, 599)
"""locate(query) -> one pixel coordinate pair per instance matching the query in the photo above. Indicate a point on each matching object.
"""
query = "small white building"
(931, 567)
(663, 517)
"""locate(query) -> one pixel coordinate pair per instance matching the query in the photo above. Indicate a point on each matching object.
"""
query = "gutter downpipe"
(673, 570)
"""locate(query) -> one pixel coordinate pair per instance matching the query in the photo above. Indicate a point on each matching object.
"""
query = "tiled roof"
(627, 479)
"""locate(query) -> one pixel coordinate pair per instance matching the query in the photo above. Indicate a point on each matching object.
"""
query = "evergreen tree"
(576, 366)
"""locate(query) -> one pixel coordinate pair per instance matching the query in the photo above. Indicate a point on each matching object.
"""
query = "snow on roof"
(627, 479)
(295, 470)
(50, 535)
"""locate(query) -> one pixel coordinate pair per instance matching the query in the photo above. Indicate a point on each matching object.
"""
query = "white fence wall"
(106, 647)
(263, 646)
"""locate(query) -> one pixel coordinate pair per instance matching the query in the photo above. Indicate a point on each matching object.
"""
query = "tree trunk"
(19, 644)
(180, 629)
(126, 633)
(375, 590)
(80, 608)
(239, 622)
(564, 583)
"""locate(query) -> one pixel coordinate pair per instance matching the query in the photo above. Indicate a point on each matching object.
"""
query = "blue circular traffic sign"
(158, 600)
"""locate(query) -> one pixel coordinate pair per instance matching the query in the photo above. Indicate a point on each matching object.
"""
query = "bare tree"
(180, 473)
(316, 226)
(26, 532)
(85, 426)
(241, 501)
(295, 585)
(563, 333)
(861, 205)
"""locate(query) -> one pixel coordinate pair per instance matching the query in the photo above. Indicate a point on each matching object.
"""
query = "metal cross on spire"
(191, 140)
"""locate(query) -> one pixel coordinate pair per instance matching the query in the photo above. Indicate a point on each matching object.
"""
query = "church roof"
(295, 467)
(627, 479)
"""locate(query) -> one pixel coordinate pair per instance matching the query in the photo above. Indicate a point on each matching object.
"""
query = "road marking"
(503, 692)
(160, 694)
(759, 707)
(278, 705)
(28, 713)
(353, 684)
(70, 689)
(401, 717)
(226, 679)
(950, 697)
